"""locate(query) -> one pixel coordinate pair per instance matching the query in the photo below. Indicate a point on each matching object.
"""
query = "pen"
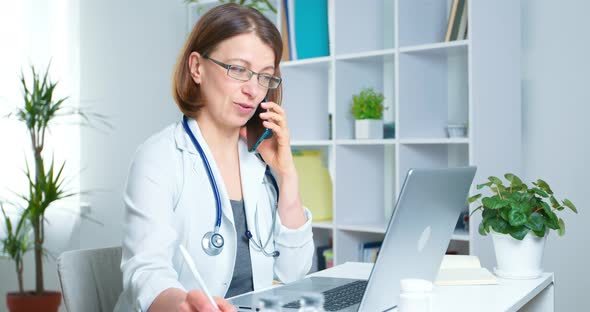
(191, 265)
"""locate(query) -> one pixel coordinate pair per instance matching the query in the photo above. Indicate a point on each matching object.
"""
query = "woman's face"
(230, 103)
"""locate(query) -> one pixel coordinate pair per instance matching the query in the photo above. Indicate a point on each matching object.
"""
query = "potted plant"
(46, 186)
(519, 218)
(367, 110)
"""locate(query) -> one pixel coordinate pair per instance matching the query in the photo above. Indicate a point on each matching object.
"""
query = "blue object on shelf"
(311, 28)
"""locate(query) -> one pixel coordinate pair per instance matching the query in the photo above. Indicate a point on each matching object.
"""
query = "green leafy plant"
(46, 182)
(16, 243)
(260, 5)
(367, 105)
(516, 209)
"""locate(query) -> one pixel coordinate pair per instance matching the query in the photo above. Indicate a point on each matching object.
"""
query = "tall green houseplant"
(46, 185)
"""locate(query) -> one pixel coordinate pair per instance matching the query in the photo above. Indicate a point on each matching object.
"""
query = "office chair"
(91, 279)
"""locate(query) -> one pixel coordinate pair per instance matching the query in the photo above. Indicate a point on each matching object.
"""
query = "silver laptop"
(415, 242)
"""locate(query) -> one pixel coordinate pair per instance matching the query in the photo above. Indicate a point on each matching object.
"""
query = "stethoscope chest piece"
(212, 243)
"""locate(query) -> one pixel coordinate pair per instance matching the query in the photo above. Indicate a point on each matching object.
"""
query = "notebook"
(463, 270)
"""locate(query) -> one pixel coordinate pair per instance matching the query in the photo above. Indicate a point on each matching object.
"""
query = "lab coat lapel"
(184, 142)
(252, 174)
(252, 171)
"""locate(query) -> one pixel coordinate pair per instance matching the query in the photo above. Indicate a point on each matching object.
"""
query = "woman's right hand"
(196, 301)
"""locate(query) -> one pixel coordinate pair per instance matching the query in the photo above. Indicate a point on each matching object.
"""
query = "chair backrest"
(91, 279)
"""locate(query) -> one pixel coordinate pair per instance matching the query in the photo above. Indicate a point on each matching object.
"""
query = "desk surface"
(508, 295)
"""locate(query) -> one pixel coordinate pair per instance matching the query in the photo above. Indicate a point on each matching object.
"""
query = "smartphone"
(255, 131)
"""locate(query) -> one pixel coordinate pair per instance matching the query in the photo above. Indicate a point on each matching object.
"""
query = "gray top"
(241, 281)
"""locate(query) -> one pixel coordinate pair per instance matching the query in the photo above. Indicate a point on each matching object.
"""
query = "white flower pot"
(518, 259)
(368, 129)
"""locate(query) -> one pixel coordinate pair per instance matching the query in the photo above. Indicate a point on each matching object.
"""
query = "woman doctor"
(196, 184)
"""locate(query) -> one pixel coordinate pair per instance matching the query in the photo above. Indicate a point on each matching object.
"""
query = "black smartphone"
(255, 131)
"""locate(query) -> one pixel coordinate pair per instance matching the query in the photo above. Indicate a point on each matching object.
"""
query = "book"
(451, 20)
(463, 270)
(457, 24)
(285, 32)
(369, 251)
(311, 28)
(462, 29)
(290, 10)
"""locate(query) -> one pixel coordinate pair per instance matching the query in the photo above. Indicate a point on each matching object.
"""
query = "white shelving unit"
(395, 47)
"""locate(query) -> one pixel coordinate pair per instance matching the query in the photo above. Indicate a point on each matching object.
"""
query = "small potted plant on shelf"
(46, 186)
(519, 219)
(367, 109)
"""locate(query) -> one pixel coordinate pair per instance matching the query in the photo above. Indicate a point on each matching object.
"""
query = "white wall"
(127, 53)
(556, 106)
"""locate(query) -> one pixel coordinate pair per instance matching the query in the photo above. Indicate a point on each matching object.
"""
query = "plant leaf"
(494, 202)
(514, 180)
(516, 218)
(495, 180)
(482, 230)
(480, 186)
(554, 203)
(561, 230)
(499, 225)
(570, 205)
(536, 222)
(542, 184)
(473, 198)
(519, 232)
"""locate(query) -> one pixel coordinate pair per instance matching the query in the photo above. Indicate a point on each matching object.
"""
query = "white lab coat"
(169, 201)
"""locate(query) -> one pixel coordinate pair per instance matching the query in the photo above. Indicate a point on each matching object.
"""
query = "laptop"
(415, 242)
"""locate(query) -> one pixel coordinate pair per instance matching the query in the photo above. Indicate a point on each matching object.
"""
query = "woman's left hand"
(276, 151)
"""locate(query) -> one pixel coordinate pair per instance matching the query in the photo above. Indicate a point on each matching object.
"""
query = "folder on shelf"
(311, 28)
(315, 183)
(463, 270)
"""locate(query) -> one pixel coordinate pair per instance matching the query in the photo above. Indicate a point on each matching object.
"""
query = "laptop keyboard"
(340, 297)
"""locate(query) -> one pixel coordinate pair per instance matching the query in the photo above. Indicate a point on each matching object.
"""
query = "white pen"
(191, 265)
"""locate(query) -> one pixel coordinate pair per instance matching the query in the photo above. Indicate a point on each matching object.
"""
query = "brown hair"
(218, 24)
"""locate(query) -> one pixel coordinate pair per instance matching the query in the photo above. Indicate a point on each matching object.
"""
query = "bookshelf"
(397, 47)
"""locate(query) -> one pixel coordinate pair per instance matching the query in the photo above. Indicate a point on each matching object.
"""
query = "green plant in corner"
(368, 104)
(46, 182)
(516, 209)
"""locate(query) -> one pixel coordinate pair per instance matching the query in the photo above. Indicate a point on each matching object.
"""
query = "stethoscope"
(213, 241)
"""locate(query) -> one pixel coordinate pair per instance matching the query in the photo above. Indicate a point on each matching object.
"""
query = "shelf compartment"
(366, 183)
(372, 29)
(433, 92)
(431, 156)
(422, 21)
(350, 242)
(306, 101)
(354, 75)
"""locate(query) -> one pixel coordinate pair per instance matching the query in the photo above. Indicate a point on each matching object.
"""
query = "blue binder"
(311, 28)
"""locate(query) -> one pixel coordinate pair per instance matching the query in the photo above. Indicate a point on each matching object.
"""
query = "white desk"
(509, 295)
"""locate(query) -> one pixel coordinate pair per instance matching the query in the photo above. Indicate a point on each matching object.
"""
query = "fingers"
(275, 117)
(274, 107)
(224, 305)
(198, 301)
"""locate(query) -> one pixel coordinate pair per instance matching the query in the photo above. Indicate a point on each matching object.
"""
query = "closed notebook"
(463, 270)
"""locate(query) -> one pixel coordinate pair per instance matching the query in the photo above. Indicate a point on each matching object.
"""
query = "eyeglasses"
(242, 73)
